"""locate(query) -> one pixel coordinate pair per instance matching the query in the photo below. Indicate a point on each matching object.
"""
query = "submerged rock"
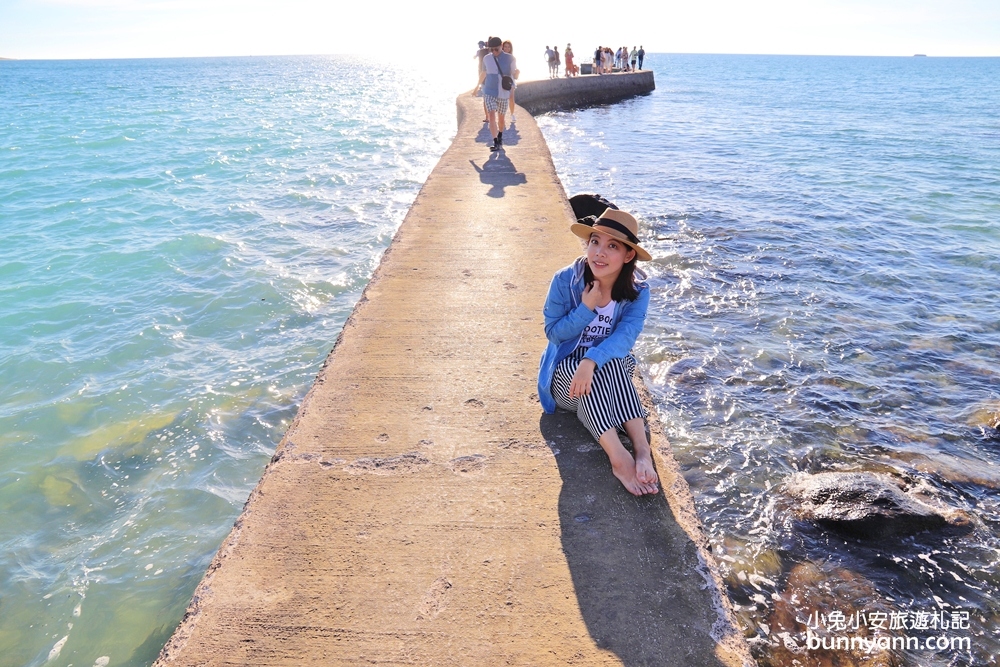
(954, 469)
(986, 417)
(863, 504)
(812, 592)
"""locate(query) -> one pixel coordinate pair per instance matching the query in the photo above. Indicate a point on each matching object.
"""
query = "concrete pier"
(580, 91)
(421, 510)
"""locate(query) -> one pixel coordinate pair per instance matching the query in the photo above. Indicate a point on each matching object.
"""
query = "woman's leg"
(624, 466)
(614, 402)
(644, 471)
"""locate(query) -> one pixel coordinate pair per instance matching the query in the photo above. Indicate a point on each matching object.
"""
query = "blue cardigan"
(566, 316)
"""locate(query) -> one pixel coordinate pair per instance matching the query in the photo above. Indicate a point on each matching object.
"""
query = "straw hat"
(617, 224)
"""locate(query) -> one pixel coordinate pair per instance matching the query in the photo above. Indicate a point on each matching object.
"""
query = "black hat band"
(618, 227)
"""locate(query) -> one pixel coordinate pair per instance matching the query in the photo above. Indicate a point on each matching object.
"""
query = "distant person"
(557, 63)
(634, 57)
(595, 310)
(481, 53)
(508, 48)
(597, 59)
(618, 58)
(642, 54)
(571, 68)
(625, 58)
(496, 67)
(550, 58)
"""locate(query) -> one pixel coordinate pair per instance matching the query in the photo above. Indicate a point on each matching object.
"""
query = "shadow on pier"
(632, 588)
(498, 172)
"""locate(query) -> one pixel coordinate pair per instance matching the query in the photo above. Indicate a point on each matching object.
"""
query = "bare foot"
(645, 474)
(624, 470)
(627, 468)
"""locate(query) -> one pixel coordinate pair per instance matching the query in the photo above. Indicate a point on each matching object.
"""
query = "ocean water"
(180, 243)
(826, 243)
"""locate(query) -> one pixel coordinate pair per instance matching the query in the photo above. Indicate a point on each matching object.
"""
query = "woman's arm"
(621, 340)
(563, 321)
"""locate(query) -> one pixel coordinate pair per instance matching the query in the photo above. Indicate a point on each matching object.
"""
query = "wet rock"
(986, 417)
(953, 469)
(747, 566)
(814, 592)
(863, 504)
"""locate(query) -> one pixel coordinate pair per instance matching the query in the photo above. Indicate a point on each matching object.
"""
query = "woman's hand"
(582, 378)
(592, 295)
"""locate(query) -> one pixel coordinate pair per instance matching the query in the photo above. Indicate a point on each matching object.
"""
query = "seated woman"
(594, 312)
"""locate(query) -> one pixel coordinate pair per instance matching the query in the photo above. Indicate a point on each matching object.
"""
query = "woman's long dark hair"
(624, 288)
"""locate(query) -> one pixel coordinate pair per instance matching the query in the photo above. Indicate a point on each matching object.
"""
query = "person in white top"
(594, 312)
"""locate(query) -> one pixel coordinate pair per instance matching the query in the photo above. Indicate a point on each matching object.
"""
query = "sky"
(432, 30)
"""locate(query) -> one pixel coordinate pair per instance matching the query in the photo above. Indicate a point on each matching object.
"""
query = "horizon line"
(318, 55)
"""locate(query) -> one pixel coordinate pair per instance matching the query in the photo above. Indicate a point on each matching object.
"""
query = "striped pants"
(612, 400)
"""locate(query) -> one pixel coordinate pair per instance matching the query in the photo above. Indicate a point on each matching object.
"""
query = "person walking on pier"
(641, 54)
(508, 48)
(498, 69)
(550, 57)
(634, 57)
(480, 54)
(594, 312)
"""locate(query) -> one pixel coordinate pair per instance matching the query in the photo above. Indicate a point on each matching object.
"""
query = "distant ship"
(919, 55)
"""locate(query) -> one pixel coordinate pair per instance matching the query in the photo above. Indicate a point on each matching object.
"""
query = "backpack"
(585, 205)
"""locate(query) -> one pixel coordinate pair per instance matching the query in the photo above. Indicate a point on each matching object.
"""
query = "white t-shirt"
(599, 328)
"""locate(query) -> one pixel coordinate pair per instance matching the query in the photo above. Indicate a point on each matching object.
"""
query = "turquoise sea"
(181, 242)
(183, 239)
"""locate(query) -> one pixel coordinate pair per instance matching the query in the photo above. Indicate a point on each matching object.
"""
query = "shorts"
(497, 104)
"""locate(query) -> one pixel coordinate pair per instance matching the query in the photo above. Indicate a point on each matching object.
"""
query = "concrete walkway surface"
(421, 510)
